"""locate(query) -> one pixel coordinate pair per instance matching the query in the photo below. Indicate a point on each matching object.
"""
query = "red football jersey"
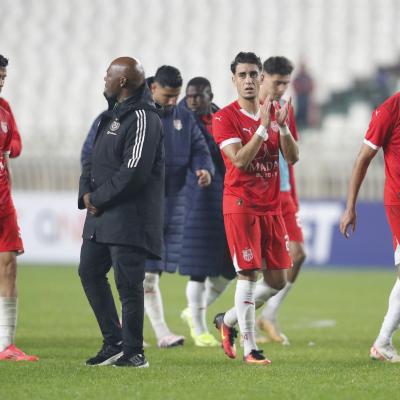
(255, 191)
(384, 131)
(16, 144)
(6, 126)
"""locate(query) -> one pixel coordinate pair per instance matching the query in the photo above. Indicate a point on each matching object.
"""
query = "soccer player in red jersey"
(250, 136)
(276, 78)
(383, 131)
(10, 240)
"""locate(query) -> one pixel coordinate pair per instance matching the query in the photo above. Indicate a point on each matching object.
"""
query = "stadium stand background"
(59, 51)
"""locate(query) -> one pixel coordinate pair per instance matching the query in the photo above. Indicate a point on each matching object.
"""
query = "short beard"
(250, 97)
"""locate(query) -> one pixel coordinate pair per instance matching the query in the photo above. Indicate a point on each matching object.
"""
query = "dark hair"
(168, 76)
(278, 65)
(3, 61)
(199, 81)
(246, 58)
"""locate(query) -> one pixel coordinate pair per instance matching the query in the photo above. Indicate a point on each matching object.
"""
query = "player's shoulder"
(4, 113)
(5, 104)
(391, 104)
(225, 113)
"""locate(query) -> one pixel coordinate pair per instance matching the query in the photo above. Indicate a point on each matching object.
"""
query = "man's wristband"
(262, 132)
(284, 130)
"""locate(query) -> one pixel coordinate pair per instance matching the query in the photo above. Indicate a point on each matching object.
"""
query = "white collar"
(255, 116)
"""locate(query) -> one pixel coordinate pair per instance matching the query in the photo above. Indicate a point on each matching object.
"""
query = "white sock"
(246, 313)
(195, 294)
(8, 321)
(392, 317)
(273, 304)
(215, 286)
(263, 293)
(153, 304)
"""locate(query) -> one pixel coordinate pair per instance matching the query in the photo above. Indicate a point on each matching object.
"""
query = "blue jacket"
(185, 150)
(205, 250)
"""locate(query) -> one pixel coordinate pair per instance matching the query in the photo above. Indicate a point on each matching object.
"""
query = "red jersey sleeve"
(380, 128)
(223, 129)
(16, 143)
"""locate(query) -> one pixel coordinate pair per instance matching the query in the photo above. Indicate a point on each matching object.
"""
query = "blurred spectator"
(303, 86)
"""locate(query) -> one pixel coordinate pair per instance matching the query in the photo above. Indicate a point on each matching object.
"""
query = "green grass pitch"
(331, 318)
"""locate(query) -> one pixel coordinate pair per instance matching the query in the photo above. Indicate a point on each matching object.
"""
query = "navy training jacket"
(124, 174)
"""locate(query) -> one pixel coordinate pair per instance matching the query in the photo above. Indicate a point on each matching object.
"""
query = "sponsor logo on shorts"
(247, 255)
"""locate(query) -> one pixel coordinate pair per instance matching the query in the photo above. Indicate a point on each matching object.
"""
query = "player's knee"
(279, 285)
(151, 280)
(8, 267)
(299, 257)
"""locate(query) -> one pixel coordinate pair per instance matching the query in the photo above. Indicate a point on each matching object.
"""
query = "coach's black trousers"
(128, 263)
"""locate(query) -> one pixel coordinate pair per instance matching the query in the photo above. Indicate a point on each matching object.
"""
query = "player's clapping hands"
(281, 113)
(265, 113)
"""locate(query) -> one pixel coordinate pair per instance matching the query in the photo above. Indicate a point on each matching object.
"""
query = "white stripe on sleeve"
(139, 139)
(229, 141)
(370, 144)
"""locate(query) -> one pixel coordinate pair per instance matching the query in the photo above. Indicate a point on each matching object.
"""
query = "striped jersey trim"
(139, 140)
(229, 141)
(370, 144)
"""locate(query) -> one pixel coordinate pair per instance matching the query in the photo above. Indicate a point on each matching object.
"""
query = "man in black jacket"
(122, 188)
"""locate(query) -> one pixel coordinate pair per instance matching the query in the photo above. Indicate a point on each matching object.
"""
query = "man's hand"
(265, 113)
(349, 218)
(281, 113)
(204, 177)
(90, 207)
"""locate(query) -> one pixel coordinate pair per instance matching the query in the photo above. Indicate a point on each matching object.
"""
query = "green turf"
(55, 322)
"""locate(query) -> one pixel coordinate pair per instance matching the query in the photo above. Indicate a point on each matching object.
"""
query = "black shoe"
(133, 360)
(107, 355)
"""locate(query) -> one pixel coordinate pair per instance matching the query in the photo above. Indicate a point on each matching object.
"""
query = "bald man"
(122, 189)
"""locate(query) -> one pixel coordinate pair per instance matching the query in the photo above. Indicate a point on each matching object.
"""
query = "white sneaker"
(384, 353)
(171, 340)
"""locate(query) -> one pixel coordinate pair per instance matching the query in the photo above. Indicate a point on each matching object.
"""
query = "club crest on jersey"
(4, 126)
(177, 124)
(247, 254)
(114, 126)
(274, 126)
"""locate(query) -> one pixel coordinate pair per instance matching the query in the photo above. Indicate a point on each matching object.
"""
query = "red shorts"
(293, 227)
(291, 218)
(10, 237)
(254, 238)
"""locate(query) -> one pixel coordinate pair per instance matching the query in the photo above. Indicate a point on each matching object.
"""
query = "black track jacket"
(124, 175)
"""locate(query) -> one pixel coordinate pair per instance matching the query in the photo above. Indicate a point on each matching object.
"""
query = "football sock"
(273, 304)
(215, 286)
(195, 294)
(392, 317)
(8, 321)
(263, 293)
(246, 314)
(153, 304)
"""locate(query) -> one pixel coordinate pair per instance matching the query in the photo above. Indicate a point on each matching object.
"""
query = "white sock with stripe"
(153, 304)
(215, 286)
(195, 294)
(392, 317)
(8, 321)
(246, 313)
(273, 304)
